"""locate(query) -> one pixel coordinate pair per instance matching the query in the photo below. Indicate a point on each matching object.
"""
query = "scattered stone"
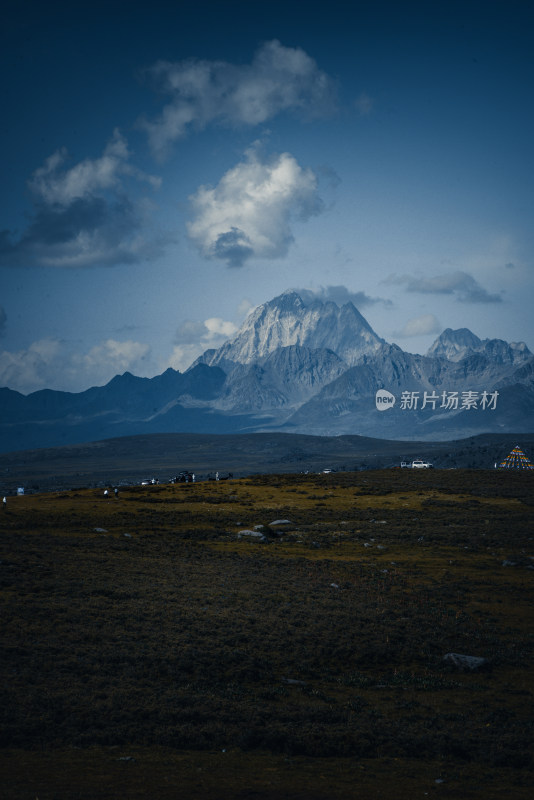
(126, 758)
(517, 560)
(253, 535)
(281, 522)
(294, 682)
(100, 530)
(465, 662)
(259, 527)
(334, 585)
(128, 535)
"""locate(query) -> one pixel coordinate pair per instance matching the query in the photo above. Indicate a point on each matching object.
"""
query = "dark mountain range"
(307, 368)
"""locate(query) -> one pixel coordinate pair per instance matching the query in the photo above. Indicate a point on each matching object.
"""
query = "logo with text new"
(384, 400)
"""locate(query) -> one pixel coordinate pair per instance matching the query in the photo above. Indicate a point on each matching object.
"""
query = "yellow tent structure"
(516, 459)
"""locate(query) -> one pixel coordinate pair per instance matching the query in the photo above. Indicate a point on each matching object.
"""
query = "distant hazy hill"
(309, 368)
(130, 459)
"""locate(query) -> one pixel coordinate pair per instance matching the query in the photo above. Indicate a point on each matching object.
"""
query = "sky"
(169, 166)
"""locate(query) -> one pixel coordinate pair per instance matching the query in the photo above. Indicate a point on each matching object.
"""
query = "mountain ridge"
(305, 367)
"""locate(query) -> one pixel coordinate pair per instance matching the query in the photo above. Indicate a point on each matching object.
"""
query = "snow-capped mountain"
(287, 321)
(302, 367)
(457, 345)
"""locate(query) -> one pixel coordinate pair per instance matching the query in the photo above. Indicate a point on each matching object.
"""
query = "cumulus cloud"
(202, 92)
(82, 215)
(193, 337)
(117, 357)
(250, 210)
(56, 184)
(3, 321)
(28, 370)
(460, 284)
(341, 296)
(420, 326)
(50, 363)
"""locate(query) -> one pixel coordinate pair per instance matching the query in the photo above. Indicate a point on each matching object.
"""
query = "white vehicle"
(420, 464)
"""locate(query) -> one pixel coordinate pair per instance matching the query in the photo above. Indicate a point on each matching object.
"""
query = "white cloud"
(420, 326)
(55, 184)
(117, 357)
(278, 79)
(28, 370)
(219, 329)
(460, 284)
(248, 213)
(49, 363)
(194, 337)
(82, 215)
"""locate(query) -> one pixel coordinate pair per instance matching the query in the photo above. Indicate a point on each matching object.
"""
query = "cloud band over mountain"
(460, 284)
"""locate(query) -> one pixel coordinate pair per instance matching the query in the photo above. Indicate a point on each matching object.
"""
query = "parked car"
(183, 477)
(420, 464)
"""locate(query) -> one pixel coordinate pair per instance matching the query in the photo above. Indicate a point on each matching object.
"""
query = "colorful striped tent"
(516, 460)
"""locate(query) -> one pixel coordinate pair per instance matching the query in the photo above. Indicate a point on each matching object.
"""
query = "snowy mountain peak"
(455, 345)
(286, 321)
(459, 344)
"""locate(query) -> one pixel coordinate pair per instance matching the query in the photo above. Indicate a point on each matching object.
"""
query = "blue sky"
(166, 167)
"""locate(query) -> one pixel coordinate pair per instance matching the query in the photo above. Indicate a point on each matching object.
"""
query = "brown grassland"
(149, 651)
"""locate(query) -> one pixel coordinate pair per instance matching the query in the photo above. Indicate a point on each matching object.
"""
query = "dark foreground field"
(151, 649)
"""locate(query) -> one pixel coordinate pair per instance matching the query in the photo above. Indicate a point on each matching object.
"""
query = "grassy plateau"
(161, 644)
